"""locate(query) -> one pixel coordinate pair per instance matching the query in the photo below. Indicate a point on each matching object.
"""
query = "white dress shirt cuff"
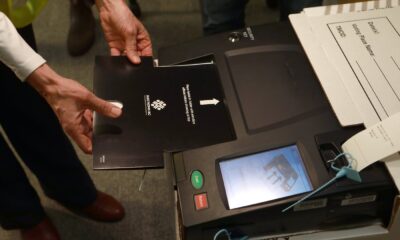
(15, 52)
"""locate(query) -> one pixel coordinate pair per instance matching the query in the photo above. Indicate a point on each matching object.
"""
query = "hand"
(124, 33)
(72, 103)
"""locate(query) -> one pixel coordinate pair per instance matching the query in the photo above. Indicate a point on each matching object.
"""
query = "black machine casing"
(274, 100)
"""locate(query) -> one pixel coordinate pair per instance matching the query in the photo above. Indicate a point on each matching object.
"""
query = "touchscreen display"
(264, 176)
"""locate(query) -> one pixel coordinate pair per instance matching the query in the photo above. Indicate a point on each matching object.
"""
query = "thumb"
(103, 107)
(131, 48)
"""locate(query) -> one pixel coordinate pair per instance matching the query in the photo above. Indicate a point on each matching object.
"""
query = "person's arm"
(124, 33)
(71, 102)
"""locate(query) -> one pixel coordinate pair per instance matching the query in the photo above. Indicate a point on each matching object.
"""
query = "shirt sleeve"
(15, 52)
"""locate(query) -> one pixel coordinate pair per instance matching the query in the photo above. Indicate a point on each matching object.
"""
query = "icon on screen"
(280, 171)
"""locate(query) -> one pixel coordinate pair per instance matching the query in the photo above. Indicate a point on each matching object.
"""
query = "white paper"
(352, 97)
(338, 96)
(375, 143)
(350, 7)
(362, 47)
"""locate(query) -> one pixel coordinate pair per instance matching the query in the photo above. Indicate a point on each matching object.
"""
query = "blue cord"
(222, 231)
(345, 171)
(228, 234)
(347, 155)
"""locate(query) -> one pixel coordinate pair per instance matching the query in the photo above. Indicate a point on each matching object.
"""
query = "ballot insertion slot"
(329, 145)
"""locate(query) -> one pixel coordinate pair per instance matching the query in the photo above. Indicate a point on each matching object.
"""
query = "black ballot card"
(164, 109)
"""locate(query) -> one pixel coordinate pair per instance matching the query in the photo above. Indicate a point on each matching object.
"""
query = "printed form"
(355, 52)
(364, 50)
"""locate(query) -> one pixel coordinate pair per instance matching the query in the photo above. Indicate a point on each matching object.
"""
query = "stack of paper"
(355, 52)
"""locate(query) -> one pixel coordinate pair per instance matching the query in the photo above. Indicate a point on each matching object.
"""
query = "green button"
(197, 179)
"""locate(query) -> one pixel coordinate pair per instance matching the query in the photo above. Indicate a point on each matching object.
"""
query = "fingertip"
(115, 112)
(117, 104)
(84, 143)
(115, 52)
(88, 145)
(89, 150)
(135, 59)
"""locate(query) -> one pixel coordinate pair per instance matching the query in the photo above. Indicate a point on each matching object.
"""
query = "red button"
(200, 201)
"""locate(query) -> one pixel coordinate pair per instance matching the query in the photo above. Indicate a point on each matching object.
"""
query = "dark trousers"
(36, 135)
(227, 15)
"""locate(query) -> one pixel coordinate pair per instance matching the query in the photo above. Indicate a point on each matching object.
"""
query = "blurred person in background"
(227, 15)
(218, 16)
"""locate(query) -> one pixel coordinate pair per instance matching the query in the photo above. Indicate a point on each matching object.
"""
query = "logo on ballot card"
(158, 105)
